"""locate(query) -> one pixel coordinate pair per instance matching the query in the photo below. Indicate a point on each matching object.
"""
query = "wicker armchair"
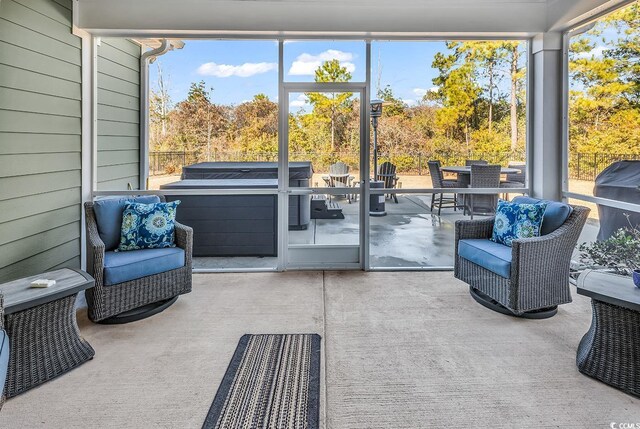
(149, 294)
(4, 353)
(539, 269)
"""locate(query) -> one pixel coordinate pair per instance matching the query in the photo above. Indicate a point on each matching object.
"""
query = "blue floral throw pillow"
(148, 226)
(515, 221)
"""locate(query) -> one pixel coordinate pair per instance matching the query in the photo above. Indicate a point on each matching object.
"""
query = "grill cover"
(245, 170)
(619, 181)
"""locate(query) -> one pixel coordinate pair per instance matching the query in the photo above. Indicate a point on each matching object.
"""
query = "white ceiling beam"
(565, 14)
(373, 17)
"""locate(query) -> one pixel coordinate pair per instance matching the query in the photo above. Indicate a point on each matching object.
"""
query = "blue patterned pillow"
(148, 226)
(515, 220)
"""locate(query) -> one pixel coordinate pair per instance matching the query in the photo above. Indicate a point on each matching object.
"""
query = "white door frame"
(284, 190)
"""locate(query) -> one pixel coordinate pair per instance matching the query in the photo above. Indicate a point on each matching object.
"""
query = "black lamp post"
(376, 112)
(376, 201)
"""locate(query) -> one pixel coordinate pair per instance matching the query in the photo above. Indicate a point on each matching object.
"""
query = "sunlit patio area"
(409, 236)
(319, 215)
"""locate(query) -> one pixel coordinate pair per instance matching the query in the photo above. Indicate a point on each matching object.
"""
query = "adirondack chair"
(387, 173)
(339, 177)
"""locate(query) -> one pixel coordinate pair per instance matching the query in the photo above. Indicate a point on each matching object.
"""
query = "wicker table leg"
(45, 343)
(610, 350)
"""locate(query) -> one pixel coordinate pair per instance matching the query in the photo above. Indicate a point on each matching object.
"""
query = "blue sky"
(237, 70)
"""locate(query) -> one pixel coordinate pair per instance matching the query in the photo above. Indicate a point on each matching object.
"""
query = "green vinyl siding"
(118, 114)
(40, 138)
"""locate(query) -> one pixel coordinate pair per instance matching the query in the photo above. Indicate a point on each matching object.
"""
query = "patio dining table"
(464, 173)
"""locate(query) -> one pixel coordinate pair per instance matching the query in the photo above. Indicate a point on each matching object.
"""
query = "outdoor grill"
(620, 181)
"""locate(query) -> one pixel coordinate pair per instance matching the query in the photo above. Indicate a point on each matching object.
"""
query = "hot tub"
(238, 225)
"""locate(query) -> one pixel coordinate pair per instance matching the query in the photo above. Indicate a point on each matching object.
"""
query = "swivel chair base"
(492, 304)
(140, 312)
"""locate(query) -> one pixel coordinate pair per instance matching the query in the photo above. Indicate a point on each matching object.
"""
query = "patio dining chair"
(514, 180)
(438, 181)
(483, 176)
(470, 162)
(387, 173)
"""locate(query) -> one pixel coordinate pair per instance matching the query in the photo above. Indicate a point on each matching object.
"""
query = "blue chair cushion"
(517, 220)
(108, 213)
(555, 215)
(148, 226)
(122, 267)
(488, 254)
(4, 358)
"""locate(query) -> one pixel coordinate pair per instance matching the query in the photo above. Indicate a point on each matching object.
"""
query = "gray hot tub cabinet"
(238, 225)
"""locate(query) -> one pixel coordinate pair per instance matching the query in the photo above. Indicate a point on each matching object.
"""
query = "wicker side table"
(45, 341)
(610, 350)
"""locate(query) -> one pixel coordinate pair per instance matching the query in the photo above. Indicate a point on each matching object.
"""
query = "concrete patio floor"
(401, 350)
(409, 236)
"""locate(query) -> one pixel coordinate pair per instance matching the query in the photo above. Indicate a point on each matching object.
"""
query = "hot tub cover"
(222, 184)
(245, 170)
(619, 181)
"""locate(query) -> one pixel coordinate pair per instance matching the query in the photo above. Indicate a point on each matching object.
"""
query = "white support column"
(144, 122)
(547, 116)
(87, 184)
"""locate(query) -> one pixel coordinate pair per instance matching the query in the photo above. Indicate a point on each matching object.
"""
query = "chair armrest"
(184, 240)
(477, 228)
(542, 263)
(95, 246)
(1, 317)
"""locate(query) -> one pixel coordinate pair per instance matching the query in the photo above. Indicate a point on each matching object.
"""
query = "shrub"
(405, 163)
(620, 252)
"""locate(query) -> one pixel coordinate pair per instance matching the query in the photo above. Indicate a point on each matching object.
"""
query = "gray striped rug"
(273, 381)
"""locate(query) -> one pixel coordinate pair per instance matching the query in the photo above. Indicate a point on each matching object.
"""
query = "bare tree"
(514, 96)
(164, 100)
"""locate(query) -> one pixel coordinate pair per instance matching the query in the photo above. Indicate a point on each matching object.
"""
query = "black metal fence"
(582, 166)
(587, 166)
(161, 163)
(169, 163)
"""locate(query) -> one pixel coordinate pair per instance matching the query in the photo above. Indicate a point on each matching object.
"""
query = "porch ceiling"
(363, 18)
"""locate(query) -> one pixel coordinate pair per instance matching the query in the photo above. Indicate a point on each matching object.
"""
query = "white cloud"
(301, 101)
(596, 52)
(242, 70)
(421, 92)
(307, 64)
(409, 101)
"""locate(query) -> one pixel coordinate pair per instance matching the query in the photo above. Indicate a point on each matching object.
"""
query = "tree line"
(604, 97)
(477, 104)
